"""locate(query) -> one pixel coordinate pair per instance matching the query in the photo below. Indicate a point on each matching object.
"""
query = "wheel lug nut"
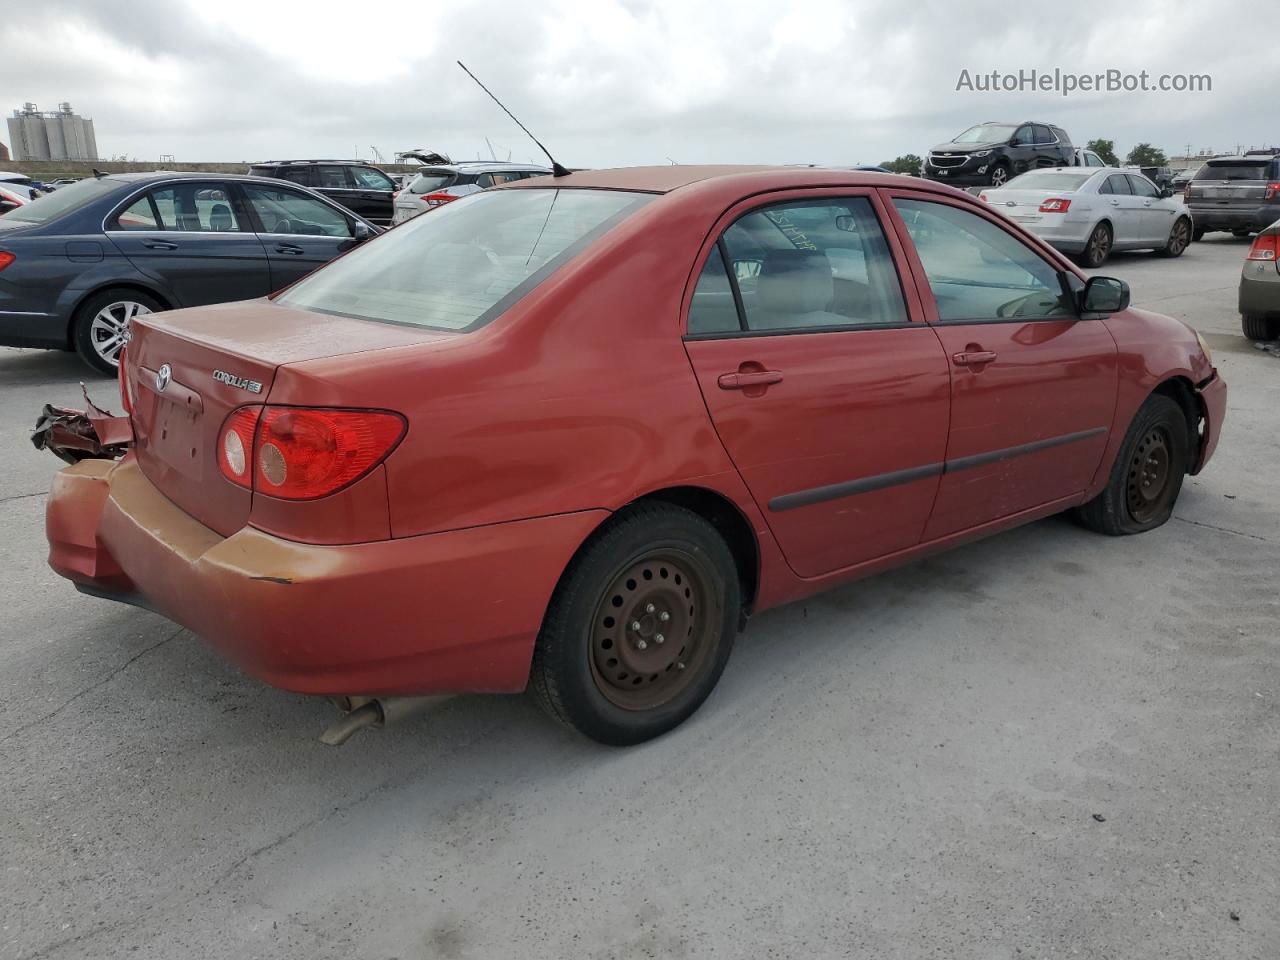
(659, 638)
(664, 616)
(635, 624)
(641, 645)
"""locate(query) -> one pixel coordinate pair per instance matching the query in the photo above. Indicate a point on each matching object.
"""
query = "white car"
(1092, 211)
(440, 183)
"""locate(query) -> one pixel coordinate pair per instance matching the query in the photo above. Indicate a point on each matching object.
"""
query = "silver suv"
(440, 183)
(1237, 194)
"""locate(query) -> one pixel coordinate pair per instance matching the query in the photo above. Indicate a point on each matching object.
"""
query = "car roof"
(290, 163)
(669, 178)
(480, 166)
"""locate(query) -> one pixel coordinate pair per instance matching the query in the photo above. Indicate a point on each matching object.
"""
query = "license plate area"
(177, 437)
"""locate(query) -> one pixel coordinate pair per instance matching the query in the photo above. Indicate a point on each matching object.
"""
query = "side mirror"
(1104, 295)
(360, 232)
(1166, 193)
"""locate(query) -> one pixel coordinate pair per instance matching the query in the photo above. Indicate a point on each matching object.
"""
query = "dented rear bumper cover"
(444, 613)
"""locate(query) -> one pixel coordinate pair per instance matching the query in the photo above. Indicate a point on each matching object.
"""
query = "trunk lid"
(1022, 205)
(219, 358)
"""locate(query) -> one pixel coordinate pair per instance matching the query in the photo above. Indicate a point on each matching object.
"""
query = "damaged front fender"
(75, 435)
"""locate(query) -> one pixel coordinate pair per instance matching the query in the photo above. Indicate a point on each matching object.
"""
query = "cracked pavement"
(908, 767)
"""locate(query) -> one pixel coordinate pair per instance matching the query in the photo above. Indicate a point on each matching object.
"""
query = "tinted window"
(468, 261)
(197, 207)
(1093, 160)
(302, 175)
(367, 178)
(63, 200)
(139, 216)
(1024, 136)
(1142, 187)
(330, 177)
(818, 263)
(292, 213)
(431, 182)
(1117, 183)
(976, 270)
(1043, 134)
(1235, 170)
(713, 309)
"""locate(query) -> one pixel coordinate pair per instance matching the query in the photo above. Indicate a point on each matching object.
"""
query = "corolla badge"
(231, 380)
(163, 376)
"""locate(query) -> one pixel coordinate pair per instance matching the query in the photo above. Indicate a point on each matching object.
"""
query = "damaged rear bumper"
(443, 613)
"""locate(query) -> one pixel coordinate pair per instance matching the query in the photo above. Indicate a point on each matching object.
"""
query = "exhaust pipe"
(361, 712)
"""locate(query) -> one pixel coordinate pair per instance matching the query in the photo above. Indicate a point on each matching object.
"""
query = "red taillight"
(6, 258)
(1055, 205)
(1265, 247)
(235, 446)
(304, 453)
(1273, 190)
(435, 199)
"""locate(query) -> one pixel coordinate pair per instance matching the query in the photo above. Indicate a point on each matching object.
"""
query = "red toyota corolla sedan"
(568, 434)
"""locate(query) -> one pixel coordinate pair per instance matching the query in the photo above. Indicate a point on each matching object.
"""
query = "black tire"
(648, 689)
(1147, 476)
(93, 342)
(1197, 234)
(1098, 247)
(1258, 327)
(1000, 175)
(1179, 239)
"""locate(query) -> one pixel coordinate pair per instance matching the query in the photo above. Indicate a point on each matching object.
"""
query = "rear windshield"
(430, 182)
(63, 200)
(1236, 170)
(466, 262)
(1061, 182)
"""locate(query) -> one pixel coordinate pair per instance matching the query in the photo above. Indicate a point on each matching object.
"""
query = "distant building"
(58, 135)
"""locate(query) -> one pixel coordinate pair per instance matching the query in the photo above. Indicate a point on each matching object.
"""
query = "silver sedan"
(1091, 212)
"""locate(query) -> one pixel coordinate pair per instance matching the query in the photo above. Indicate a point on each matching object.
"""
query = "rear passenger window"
(330, 177)
(713, 309)
(196, 208)
(139, 216)
(812, 265)
(1117, 183)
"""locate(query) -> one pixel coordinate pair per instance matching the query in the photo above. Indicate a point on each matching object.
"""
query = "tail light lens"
(303, 453)
(436, 199)
(1266, 246)
(6, 258)
(235, 446)
(1055, 205)
(1273, 190)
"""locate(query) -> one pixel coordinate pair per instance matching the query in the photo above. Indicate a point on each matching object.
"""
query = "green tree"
(909, 164)
(1145, 155)
(1106, 149)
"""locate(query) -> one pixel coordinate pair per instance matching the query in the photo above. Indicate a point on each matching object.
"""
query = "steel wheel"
(1147, 485)
(109, 329)
(653, 630)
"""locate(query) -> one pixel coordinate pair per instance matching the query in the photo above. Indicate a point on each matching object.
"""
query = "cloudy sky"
(613, 82)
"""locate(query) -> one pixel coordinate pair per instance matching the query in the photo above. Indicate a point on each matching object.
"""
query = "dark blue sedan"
(77, 265)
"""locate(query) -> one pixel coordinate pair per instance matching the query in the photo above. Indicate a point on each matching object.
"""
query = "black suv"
(992, 153)
(360, 187)
(1240, 194)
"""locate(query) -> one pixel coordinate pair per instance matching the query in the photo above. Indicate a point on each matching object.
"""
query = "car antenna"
(98, 173)
(556, 169)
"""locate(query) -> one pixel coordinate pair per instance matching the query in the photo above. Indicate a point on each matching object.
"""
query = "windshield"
(1239, 170)
(64, 199)
(986, 133)
(467, 261)
(1058, 182)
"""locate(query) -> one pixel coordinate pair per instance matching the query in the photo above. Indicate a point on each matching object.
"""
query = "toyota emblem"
(163, 376)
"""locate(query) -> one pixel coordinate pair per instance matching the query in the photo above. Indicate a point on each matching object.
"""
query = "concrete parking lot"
(1050, 744)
